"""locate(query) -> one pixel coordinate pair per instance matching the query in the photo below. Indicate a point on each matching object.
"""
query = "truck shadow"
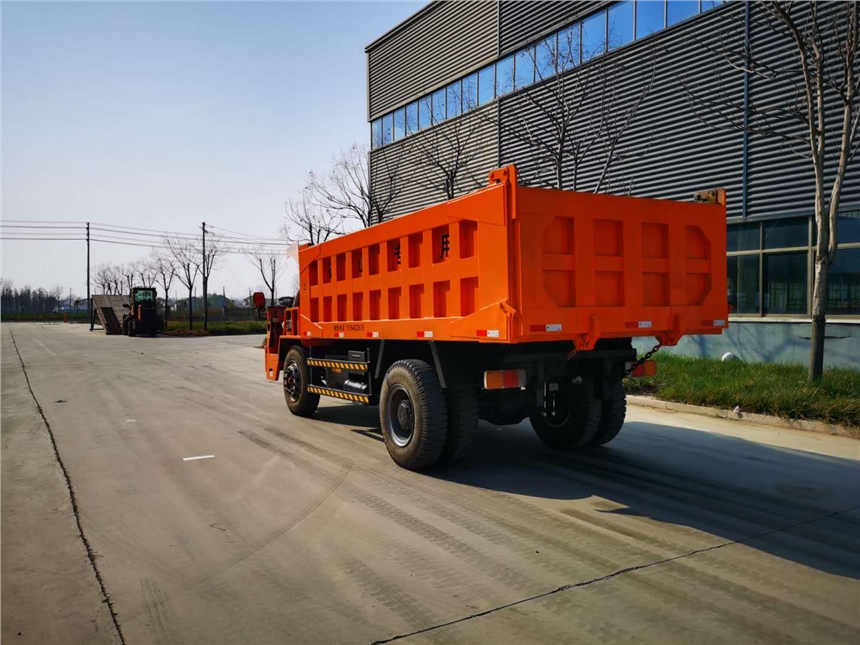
(789, 503)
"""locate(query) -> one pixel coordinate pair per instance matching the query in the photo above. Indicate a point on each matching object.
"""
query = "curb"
(729, 415)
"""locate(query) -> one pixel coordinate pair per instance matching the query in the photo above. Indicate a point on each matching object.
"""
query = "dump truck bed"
(511, 264)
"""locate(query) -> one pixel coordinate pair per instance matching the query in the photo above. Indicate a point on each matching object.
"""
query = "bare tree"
(187, 262)
(164, 266)
(103, 278)
(574, 122)
(146, 272)
(809, 77)
(447, 153)
(306, 222)
(348, 190)
(127, 273)
(271, 266)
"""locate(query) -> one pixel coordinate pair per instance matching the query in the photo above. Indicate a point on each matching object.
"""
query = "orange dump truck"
(508, 303)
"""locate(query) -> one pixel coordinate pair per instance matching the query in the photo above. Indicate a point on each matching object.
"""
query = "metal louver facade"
(444, 40)
(521, 21)
(781, 181)
(667, 152)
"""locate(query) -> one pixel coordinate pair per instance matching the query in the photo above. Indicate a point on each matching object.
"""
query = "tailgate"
(590, 266)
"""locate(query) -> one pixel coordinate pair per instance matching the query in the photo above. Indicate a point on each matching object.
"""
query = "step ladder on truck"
(509, 303)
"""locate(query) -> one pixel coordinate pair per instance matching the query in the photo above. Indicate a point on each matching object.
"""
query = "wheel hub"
(292, 381)
(401, 416)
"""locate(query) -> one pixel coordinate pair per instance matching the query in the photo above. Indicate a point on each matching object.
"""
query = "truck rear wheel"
(462, 419)
(612, 415)
(570, 417)
(413, 414)
(297, 377)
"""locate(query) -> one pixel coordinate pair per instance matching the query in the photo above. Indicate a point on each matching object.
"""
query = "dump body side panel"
(441, 273)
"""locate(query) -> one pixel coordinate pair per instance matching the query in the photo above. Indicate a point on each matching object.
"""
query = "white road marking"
(43, 347)
(131, 420)
(195, 458)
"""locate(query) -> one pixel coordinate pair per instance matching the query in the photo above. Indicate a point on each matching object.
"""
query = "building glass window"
(545, 58)
(470, 92)
(742, 237)
(678, 10)
(847, 227)
(438, 98)
(486, 85)
(524, 68)
(621, 24)
(568, 47)
(710, 4)
(376, 134)
(785, 278)
(594, 36)
(453, 104)
(743, 284)
(843, 285)
(412, 118)
(786, 233)
(649, 18)
(387, 129)
(399, 124)
(505, 76)
(424, 112)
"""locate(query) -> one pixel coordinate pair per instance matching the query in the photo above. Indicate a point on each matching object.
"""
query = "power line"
(53, 227)
(134, 232)
(43, 239)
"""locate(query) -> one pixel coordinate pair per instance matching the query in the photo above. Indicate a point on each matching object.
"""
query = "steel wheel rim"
(292, 381)
(401, 416)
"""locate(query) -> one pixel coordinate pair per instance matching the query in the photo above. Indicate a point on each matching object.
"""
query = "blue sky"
(162, 115)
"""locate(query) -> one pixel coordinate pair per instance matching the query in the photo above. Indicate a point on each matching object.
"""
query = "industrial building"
(460, 88)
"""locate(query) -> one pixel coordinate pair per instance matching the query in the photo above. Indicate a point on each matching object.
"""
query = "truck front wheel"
(413, 414)
(570, 417)
(297, 377)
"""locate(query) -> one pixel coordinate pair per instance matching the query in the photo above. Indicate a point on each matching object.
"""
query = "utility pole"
(89, 302)
(205, 281)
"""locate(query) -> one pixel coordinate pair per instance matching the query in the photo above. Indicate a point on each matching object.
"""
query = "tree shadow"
(793, 501)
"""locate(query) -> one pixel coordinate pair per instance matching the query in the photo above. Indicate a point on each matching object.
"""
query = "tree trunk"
(819, 309)
(190, 312)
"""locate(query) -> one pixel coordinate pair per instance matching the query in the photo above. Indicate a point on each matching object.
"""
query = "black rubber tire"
(612, 416)
(305, 404)
(418, 381)
(462, 397)
(580, 425)
(131, 328)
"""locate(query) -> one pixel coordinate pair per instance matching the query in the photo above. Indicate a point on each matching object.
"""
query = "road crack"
(91, 554)
(609, 576)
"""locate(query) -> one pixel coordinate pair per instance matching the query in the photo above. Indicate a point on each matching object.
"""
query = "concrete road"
(685, 530)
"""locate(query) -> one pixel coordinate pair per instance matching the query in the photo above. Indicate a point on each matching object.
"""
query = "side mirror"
(125, 306)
